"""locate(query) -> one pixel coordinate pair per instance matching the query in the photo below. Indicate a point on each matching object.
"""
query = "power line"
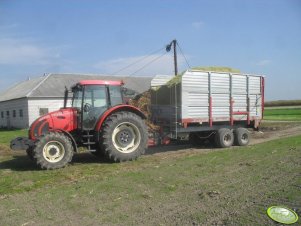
(148, 64)
(137, 61)
(183, 55)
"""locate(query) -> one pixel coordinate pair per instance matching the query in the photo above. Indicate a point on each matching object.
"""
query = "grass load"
(143, 102)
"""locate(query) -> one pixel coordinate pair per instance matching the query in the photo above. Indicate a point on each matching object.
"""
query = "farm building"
(21, 104)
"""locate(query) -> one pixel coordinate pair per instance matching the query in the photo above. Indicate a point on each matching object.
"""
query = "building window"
(7, 113)
(2, 114)
(14, 113)
(21, 113)
(43, 111)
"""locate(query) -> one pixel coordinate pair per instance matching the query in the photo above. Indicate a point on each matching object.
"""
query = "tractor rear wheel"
(124, 137)
(53, 151)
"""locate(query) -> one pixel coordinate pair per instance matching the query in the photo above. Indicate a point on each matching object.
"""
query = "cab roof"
(101, 82)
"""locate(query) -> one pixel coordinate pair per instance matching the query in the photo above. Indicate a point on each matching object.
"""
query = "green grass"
(221, 186)
(288, 114)
(278, 103)
(7, 135)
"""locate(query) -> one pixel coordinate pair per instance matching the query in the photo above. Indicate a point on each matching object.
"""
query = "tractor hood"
(63, 119)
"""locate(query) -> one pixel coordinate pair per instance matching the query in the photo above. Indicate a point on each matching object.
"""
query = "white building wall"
(11, 120)
(34, 106)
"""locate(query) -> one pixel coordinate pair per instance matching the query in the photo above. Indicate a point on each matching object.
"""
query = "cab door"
(95, 103)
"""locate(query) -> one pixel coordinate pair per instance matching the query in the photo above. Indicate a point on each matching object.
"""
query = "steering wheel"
(87, 107)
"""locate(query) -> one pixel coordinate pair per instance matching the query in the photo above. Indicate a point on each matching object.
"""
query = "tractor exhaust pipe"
(65, 97)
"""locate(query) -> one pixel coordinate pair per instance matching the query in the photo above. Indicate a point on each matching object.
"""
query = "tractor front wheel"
(53, 151)
(124, 137)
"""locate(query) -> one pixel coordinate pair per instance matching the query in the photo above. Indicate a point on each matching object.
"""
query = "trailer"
(219, 106)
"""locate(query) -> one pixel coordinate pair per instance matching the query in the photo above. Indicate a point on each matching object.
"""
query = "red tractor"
(99, 120)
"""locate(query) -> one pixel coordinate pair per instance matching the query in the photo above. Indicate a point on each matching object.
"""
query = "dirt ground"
(273, 133)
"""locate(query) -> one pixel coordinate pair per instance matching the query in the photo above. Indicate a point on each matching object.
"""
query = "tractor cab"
(91, 98)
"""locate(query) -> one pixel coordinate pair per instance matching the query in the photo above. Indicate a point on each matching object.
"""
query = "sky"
(101, 37)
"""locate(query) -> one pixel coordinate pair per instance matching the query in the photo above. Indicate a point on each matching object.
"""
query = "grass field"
(7, 135)
(287, 114)
(282, 103)
(194, 187)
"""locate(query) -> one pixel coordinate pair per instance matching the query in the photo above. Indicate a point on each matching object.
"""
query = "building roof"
(53, 85)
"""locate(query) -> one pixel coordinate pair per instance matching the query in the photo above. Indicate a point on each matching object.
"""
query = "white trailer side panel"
(198, 87)
(207, 97)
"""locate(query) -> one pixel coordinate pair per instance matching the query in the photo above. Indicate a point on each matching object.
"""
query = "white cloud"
(263, 62)
(23, 52)
(163, 65)
(197, 24)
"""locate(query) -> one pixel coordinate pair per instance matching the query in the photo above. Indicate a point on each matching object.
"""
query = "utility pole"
(168, 48)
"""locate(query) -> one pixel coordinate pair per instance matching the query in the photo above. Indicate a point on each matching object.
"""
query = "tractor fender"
(123, 107)
(74, 145)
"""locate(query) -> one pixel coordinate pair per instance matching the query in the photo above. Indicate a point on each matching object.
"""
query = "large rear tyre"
(242, 137)
(124, 137)
(224, 138)
(53, 151)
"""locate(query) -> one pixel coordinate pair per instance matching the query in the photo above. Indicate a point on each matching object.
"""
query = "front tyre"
(124, 136)
(53, 151)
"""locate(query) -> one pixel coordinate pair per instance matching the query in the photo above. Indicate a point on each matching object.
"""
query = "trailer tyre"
(124, 137)
(224, 138)
(242, 137)
(53, 151)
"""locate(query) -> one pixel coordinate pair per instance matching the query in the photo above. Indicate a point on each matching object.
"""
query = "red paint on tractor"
(63, 119)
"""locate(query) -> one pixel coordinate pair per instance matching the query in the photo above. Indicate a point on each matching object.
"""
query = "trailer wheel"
(224, 138)
(53, 151)
(242, 137)
(124, 136)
